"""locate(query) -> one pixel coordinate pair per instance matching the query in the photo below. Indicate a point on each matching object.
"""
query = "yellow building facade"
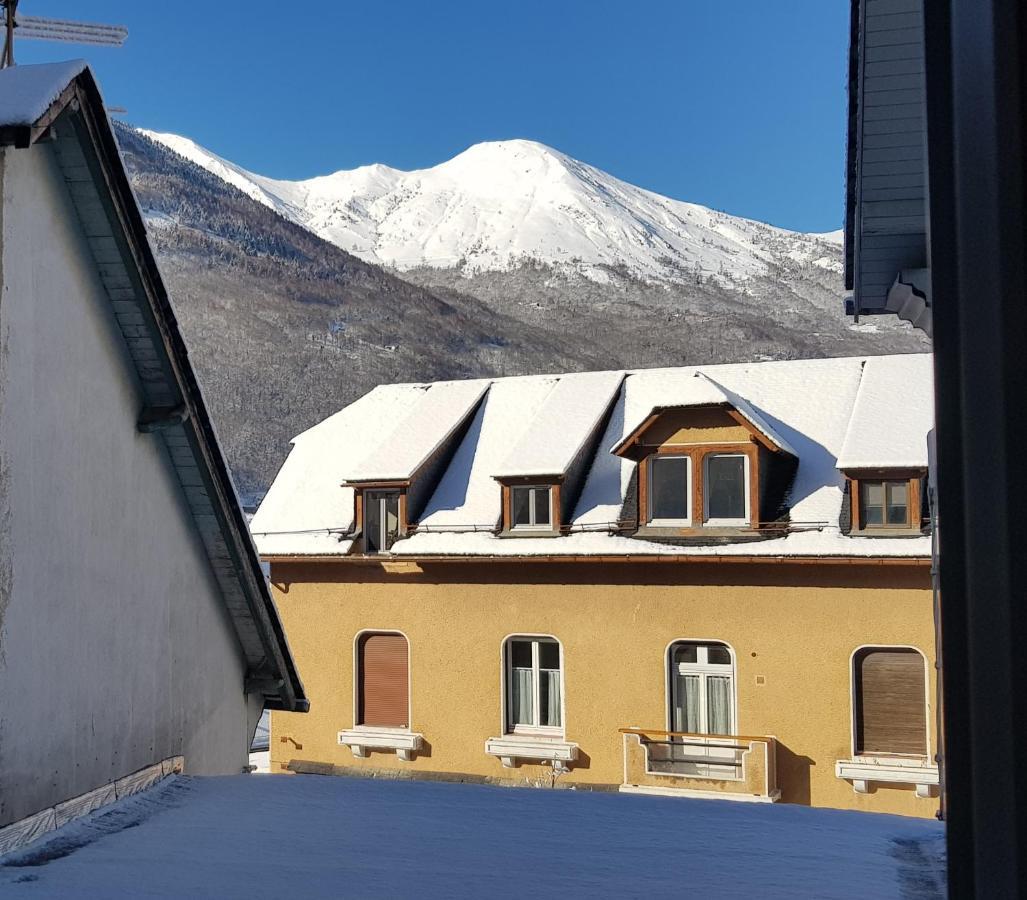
(691, 582)
(792, 631)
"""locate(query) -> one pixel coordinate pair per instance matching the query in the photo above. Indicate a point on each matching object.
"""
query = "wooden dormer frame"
(631, 447)
(553, 482)
(697, 454)
(359, 487)
(914, 504)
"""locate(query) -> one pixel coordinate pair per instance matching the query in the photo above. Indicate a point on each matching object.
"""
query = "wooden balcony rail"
(737, 767)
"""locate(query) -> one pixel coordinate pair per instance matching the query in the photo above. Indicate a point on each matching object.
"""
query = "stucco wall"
(795, 627)
(115, 648)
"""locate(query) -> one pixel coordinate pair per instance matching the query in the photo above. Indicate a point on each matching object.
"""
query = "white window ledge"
(513, 748)
(862, 772)
(361, 740)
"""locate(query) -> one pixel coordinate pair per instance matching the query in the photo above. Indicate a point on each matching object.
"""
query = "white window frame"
(381, 517)
(703, 669)
(745, 520)
(509, 728)
(688, 489)
(531, 488)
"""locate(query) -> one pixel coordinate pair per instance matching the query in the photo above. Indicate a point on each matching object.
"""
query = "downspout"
(939, 712)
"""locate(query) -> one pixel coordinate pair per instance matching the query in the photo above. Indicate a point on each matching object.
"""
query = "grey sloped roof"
(61, 101)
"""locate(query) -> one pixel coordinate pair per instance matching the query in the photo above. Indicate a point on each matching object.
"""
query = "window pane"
(872, 502)
(372, 524)
(549, 655)
(391, 505)
(521, 690)
(520, 654)
(519, 498)
(686, 653)
(669, 487)
(898, 501)
(718, 704)
(541, 506)
(718, 655)
(725, 487)
(686, 703)
(549, 698)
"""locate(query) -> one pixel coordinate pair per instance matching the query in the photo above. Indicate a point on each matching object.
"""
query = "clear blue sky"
(736, 104)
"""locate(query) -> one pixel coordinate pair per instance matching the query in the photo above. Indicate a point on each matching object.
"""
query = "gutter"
(917, 561)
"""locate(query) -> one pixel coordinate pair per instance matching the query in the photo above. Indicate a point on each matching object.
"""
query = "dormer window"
(382, 523)
(885, 502)
(531, 507)
(726, 489)
(670, 490)
(709, 471)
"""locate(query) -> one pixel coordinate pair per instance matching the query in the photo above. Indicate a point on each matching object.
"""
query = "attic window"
(381, 520)
(726, 489)
(885, 504)
(531, 507)
(670, 490)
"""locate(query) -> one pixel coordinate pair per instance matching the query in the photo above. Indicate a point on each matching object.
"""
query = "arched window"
(702, 688)
(534, 685)
(890, 701)
(383, 676)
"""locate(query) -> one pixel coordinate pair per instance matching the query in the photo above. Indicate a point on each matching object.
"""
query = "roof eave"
(94, 135)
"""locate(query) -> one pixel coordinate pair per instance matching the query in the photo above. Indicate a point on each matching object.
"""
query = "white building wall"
(115, 647)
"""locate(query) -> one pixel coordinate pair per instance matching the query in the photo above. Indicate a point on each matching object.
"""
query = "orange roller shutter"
(384, 697)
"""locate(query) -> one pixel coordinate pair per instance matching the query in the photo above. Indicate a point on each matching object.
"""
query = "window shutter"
(891, 716)
(384, 698)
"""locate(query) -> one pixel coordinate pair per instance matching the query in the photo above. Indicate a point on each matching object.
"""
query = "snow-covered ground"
(309, 836)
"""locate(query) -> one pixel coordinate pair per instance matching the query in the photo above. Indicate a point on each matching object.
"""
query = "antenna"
(41, 29)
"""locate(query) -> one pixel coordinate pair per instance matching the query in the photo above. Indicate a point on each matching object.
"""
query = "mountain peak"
(500, 204)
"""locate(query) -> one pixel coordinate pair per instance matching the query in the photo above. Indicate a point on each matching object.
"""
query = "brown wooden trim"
(917, 561)
(698, 485)
(754, 486)
(555, 509)
(913, 499)
(643, 489)
(758, 436)
(358, 512)
(376, 485)
(522, 480)
(507, 507)
(402, 512)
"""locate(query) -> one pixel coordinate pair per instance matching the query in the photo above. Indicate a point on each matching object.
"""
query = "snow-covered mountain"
(501, 204)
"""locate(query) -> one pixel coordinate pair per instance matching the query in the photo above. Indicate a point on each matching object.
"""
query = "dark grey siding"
(887, 214)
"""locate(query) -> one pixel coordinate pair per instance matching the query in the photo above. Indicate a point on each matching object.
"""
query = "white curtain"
(718, 704)
(522, 691)
(550, 699)
(686, 703)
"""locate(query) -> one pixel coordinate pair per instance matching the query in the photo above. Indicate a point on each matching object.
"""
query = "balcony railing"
(732, 766)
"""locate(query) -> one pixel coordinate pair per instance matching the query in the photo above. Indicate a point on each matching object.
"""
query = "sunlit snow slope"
(500, 204)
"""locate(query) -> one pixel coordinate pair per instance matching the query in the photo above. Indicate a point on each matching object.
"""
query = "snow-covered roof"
(439, 410)
(26, 92)
(681, 391)
(557, 431)
(893, 412)
(807, 407)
